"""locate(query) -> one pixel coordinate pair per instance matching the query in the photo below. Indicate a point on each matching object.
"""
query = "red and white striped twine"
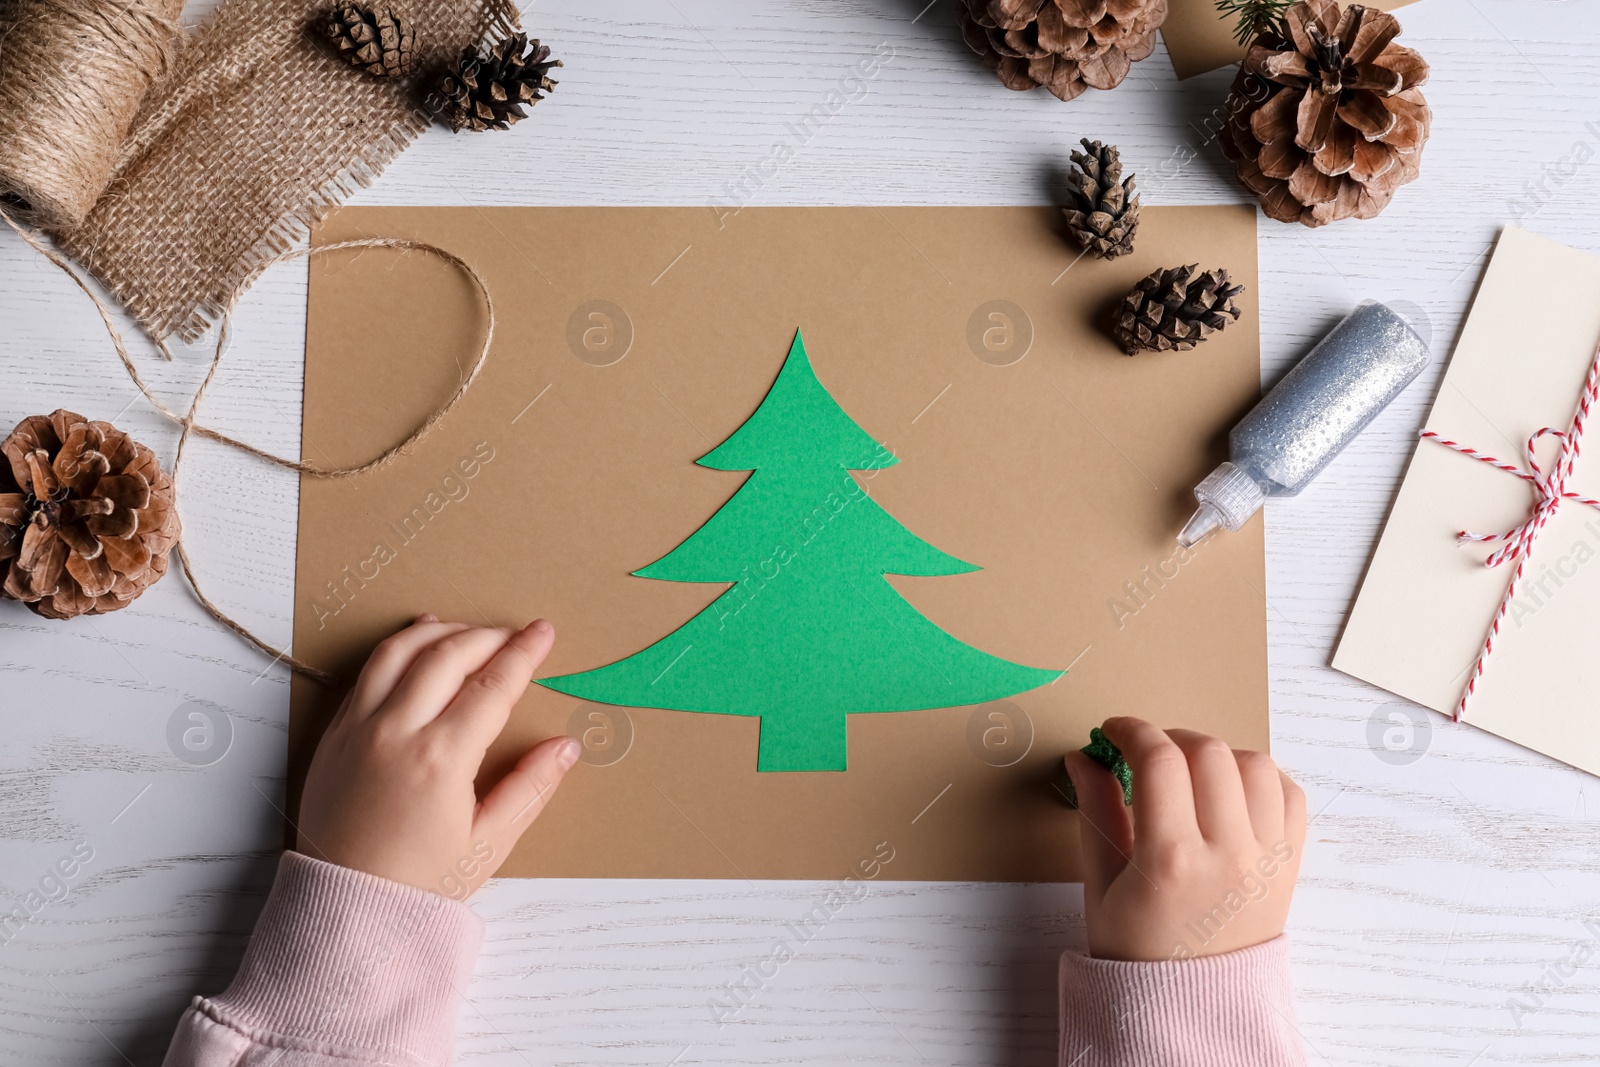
(1549, 492)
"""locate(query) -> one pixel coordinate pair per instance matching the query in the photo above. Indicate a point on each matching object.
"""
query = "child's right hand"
(1203, 862)
(390, 790)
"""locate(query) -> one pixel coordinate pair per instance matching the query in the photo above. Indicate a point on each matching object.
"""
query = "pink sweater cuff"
(348, 964)
(1215, 1011)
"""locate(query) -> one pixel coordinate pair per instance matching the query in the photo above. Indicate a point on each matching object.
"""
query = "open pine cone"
(487, 91)
(1167, 310)
(1063, 45)
(374, 39)
(1333, 121)
(86, 516)
(1105, 210)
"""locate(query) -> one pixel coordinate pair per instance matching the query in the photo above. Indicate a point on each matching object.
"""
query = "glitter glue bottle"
(1307, 418)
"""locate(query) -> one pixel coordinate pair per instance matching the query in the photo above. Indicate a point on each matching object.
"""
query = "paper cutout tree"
(811, 631)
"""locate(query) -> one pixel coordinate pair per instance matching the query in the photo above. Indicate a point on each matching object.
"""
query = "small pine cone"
(1105, 210)
(1168, 311)
(374, 39)
(487, 91)
(87, 519)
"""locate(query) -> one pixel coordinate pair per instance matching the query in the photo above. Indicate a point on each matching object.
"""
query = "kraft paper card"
(1201, 38)
(1426, 603)
(961, 488)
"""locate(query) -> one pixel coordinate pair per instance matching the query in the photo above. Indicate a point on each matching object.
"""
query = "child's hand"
(390, 787)
(1205, 860)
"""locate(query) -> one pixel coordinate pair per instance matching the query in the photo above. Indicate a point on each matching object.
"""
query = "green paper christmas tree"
(810, 631)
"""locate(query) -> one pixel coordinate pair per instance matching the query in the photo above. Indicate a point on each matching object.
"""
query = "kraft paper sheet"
(969, 341)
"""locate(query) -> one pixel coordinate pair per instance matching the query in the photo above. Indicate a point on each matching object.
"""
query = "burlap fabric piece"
(259, 132)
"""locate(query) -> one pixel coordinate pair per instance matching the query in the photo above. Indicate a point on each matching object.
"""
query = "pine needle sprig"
(1254, 16)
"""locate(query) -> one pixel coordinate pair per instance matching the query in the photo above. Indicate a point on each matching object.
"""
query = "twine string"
(83, 67)
(1549, 493)
(191, 426)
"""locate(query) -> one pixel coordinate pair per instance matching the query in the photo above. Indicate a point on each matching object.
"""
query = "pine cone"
(486, 92)
(374, 39)
(1063, 45)
(86, 516)
(1105, 211)
(1167, 311)
(1333, 121)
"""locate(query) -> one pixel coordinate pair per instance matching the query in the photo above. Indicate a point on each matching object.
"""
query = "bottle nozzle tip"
(1204, 520)
(1228, 496)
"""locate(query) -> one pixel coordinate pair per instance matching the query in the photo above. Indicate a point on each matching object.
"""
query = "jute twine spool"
(72, 76)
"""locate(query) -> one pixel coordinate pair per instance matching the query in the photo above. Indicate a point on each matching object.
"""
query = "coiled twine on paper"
(72, 76)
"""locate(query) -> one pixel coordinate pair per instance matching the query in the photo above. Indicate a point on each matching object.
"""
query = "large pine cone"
(1168, 311)
(1063, 45)
(1105, 211)
(86, 516)
(1333, 121)
(374, 39)
(487, 91)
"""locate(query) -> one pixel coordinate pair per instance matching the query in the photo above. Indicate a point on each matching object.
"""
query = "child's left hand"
(390, 790)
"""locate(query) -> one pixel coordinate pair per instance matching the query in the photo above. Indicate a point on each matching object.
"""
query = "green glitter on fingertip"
(1102, 751)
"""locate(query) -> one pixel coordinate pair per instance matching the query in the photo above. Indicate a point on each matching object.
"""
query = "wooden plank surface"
(1434, 894)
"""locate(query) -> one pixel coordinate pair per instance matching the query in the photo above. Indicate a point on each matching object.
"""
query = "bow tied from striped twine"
(1550, 492)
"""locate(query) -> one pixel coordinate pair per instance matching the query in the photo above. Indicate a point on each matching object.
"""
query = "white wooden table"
(1435, 893)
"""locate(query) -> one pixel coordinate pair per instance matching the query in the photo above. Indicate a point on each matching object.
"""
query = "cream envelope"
(1426, 603)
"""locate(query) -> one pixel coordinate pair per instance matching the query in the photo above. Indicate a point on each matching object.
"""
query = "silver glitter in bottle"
(1307, 419)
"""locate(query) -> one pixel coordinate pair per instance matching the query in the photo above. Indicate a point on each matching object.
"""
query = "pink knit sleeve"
(1216, 1011)
(344, 968)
